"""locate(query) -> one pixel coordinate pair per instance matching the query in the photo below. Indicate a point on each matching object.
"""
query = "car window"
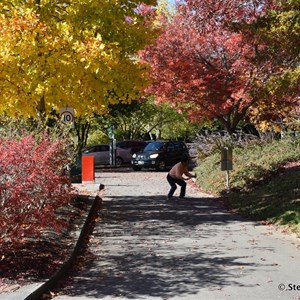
(123, 145)
(170, 147)
(139, 144)
(90, 149)
(154, 146)
(104, 148)
(177, 146)
(180, 146)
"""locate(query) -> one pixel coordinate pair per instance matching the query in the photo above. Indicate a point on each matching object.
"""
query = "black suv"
(159, 155)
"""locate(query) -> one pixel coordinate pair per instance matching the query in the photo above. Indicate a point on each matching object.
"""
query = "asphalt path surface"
(145, 247)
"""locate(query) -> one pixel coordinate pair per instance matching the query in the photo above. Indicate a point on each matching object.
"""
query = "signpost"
(226, 163)
(67, 116)
(112, 146)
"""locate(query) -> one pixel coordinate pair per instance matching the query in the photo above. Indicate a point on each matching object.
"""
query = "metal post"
(226, 164)
(112, 152)
(227, 181)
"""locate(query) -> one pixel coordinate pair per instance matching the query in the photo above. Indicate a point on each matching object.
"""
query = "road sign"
(226, 163)
(226, 159)
(67, 116)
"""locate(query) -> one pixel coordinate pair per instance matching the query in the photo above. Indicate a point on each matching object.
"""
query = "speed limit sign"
(67, 116)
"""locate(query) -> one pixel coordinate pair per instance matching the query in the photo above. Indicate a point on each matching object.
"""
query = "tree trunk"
(158, 133)
(82, 130)
(41, 112)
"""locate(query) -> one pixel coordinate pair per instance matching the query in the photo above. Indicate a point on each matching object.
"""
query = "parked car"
(101, 154)
(132, 145)
(159, 155)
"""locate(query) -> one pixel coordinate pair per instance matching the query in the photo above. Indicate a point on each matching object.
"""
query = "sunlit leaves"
(278, 36)
(77, 53)
(207, 62)
(201, 65)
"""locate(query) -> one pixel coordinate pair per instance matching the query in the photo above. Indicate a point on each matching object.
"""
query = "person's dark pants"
(172, 181)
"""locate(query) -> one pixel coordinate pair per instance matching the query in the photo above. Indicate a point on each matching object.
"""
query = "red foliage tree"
(33, 185)
(200, 63)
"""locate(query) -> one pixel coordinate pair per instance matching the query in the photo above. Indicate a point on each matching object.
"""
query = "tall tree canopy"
(279, 36)
(145, 119)
(204, 63)
(79, 53)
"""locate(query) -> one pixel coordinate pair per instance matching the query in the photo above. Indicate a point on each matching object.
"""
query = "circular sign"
(67, 116)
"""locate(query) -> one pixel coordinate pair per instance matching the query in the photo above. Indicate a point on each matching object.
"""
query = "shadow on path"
(147, 247)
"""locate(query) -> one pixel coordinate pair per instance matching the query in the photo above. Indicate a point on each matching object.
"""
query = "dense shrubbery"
(264, 181)
(33, 185)
(253, 161)
(209, 143)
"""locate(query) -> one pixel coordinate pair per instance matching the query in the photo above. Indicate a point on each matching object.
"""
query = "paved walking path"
(146, 247)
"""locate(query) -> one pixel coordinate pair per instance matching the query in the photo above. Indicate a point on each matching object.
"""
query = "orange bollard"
(88, 169)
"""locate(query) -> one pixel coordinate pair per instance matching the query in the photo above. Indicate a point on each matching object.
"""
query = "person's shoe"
(169, 198)
(181, 198)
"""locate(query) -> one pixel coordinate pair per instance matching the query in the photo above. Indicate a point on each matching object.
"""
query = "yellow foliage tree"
(78, 53)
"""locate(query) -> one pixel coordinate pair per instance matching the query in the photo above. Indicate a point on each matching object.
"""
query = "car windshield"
(154, 146)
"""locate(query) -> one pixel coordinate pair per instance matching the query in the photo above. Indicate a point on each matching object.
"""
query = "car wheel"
(161, 165)
(136, 168)
(119, 161)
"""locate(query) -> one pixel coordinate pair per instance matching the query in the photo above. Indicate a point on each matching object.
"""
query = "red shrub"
(33, 185)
